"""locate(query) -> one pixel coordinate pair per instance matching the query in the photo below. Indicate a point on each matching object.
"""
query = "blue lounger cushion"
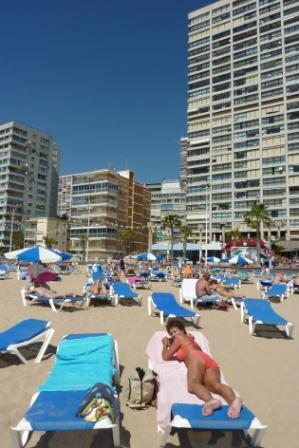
(124, 290)
(218, 420)
(167, 303)
(91, 359)
(23, 331)
(262, 310)
(56, 411)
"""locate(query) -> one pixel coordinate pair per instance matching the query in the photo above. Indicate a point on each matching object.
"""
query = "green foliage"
(185, 232)
(127, 235)
(254, 218)
(257, 215)
(171, 222)
(49, 241)
(18, 240)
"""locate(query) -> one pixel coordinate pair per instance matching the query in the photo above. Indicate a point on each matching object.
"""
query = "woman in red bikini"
(203, 373)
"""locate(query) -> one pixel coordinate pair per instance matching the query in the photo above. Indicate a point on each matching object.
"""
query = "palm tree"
(49, 241)
(254, 218)
(127, 235)
(18, 239)
(234, 234)
(185, 233)
(83, 241)
(171, 222)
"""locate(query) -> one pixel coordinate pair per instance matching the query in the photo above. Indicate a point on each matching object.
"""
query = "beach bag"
(140, 388)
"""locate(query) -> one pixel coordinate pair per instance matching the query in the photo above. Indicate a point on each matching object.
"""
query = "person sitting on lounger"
(203, 373)
(45, 291)
(279, 278)
(204, 291)
(98, 288)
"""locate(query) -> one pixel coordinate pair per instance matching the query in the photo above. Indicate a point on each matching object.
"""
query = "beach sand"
(264, 370)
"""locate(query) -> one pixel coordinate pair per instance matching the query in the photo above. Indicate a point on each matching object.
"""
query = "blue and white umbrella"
(213, 260)
(237, 259)
(148, 256)
(34, 254)
(65, 256)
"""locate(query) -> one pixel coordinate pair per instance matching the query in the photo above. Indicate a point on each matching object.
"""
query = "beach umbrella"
(148, 256)
(34, 254)
(65, 256)
(213, 260)
(45, 277)
(237, 259)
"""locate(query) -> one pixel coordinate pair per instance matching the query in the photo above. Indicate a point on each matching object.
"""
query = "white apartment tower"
(29, 164)
(243, 115)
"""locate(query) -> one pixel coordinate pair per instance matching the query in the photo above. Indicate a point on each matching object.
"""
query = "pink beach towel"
(172, 377)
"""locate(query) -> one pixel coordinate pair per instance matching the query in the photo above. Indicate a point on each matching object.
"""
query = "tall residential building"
(167, 198)
(29, 164)
(243, 115)
(183, 161)
(102, 206)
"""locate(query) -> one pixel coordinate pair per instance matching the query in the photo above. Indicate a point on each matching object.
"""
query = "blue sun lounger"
(121, 290)
(56, 303)
(259, 311)
(231, 282)
(166, 305)
(190, 416)
(24, 334)
(82, 360)
(276, 290)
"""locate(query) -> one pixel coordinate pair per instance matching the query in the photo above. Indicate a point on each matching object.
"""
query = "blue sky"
(108, 80)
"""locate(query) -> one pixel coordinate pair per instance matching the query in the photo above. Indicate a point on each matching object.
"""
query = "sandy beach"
(263, 369)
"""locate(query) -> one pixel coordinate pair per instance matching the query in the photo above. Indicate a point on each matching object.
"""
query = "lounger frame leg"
(251, 325)
(165, 436)
(116, 435)
(149, 305)
(255, 435)
(289, 330)
(16, 438)
(19, 438)
(48, 337)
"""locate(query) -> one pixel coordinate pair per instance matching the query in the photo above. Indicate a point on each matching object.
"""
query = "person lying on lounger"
(203, 373)
(222, 291)
(45, 291)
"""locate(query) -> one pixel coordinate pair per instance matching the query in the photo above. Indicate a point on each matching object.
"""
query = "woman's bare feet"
(210, 406)
(235, 408)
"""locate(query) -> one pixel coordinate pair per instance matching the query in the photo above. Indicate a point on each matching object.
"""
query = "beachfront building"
(167, 198)
(243, 115)
(29, 164)
(103, 207)
(38, 228)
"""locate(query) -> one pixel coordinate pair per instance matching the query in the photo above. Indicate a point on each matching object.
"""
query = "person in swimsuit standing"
(203, 373)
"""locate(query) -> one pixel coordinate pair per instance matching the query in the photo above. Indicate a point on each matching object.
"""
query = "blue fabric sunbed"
(121, 290)
(277, 290)
(25, 333)
(190, 416)
(56, 303)
(166, 305)
(260, 311)
(81, 361)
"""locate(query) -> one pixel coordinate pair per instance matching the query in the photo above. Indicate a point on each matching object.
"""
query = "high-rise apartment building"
(103, 206)
(243, 115)
(29, 165)
(167, 198)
